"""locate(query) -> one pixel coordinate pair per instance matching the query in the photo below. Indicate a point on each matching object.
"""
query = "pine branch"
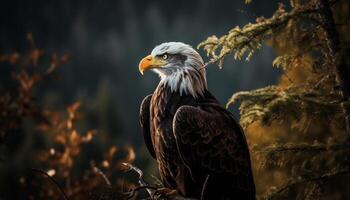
(272, 102)
(324, 177)
(312, 148)
(242, 42)
(290, 155)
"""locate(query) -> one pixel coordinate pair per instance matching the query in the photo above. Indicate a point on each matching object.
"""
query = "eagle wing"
(145, 124)
(208, 138)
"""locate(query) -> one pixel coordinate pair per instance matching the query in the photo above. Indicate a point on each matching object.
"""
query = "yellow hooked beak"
(150, 62)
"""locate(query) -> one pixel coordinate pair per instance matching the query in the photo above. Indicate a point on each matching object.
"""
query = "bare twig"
(52, 180)
(156, 180)
(204, 187)
(133, 191)
(141, 181)
(100, 172)
(152, 190)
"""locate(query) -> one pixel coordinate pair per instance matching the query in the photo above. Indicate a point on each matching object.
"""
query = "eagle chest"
(161, 126)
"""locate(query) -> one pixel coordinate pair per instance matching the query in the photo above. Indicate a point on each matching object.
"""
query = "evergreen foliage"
(298, 128)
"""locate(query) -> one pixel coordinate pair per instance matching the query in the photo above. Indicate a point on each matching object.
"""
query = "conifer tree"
(298, 129)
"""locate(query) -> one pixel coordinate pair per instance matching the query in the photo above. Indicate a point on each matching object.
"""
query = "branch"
(337, 59)
(314, 179)
(133, 191)
(272, 102)
(52, 180)
(141, 181)
(249, 38)
(150, 189)
(304, 148)
(204, 187)
(100, 172)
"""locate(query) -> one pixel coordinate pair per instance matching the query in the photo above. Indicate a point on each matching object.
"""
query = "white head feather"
(186, 77)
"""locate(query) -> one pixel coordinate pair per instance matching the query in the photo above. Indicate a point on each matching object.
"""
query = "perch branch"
(141, 180)
(150, 189)
(133, 191)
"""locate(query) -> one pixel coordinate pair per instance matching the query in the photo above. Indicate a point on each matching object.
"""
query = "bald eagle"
(201, 151)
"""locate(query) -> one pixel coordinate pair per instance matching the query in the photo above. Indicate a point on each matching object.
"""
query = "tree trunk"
(337, 58)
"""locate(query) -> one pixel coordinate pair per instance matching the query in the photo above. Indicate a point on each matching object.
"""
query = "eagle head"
(179, 66)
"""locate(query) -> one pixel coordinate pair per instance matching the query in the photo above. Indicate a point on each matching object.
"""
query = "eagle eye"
(165, 56)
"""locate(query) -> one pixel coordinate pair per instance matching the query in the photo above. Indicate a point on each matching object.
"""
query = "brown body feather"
(192, 138)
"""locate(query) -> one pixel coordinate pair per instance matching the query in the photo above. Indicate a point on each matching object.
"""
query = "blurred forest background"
(76, 75)
(107, 39)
